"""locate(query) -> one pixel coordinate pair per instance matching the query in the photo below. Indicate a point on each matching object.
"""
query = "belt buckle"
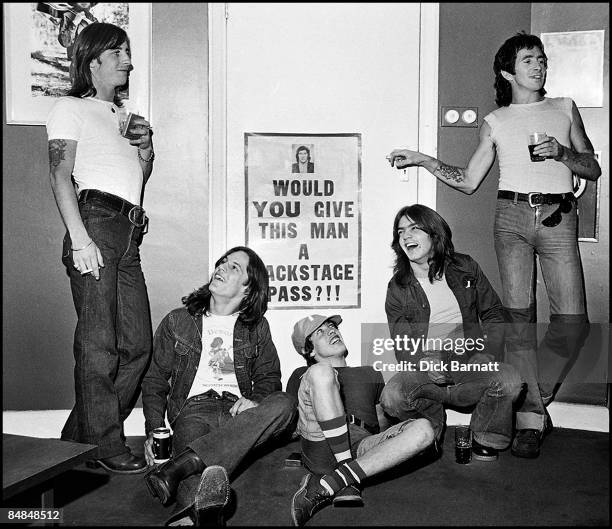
(351, 419)
(229, 396)
(530, 199)
(132, 215)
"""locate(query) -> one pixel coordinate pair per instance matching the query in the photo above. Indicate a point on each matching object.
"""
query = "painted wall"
(466, 79)
(371, 87)
(38, 315)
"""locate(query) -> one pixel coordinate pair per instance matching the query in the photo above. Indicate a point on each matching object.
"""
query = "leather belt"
(135, 214)
(536, 199)
(358, 422)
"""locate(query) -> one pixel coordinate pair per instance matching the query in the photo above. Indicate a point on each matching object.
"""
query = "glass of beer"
(536, 138)
(162, 445)
(463, 444)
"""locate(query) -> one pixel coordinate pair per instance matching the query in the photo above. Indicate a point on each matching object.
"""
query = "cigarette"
(86, 271)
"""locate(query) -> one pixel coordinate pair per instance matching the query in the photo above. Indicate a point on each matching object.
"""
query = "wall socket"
(452, 116)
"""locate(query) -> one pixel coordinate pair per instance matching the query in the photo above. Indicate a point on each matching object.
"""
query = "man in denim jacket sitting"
(442, 300)
(219, 411)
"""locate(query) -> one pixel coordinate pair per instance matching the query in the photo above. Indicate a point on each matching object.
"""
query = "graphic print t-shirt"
(216, 369)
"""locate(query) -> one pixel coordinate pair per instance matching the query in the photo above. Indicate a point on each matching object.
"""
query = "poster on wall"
(575, 66)
(303, 216)
(39, 45)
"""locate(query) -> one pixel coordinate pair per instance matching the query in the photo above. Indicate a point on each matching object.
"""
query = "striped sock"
(336, 434)
(348, 473)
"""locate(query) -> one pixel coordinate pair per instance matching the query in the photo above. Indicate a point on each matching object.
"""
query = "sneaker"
(349, 496)
(483, 453)
(527, 443)
(310, 497)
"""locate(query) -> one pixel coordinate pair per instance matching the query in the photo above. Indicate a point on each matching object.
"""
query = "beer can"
(161, 445)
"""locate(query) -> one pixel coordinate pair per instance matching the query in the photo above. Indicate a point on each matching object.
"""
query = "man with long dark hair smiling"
(97, 177)
(218, 415)
(443, 299)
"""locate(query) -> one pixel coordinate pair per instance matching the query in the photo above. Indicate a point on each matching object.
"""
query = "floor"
(568, 484)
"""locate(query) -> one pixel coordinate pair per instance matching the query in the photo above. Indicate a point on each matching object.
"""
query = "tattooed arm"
(581, 158)
(61, 162)
(465, 179)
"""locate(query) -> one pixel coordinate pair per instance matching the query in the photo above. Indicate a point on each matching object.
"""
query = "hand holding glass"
(535, 139)
(128, 124)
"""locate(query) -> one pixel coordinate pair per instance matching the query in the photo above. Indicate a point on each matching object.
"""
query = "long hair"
(302, 148)
(96, 38)
(253, 306)
(505, 60)
(441, 239)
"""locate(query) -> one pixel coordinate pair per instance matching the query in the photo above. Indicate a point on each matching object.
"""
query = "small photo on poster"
(303, 154)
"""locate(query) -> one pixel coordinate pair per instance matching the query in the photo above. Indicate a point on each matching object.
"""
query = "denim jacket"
(177, 347)
(483, 315)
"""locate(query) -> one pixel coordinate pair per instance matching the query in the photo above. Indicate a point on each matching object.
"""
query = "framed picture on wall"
(575, 66)
(38, 45)
(587, 194)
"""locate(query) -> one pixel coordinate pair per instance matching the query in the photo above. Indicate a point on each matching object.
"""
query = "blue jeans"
(205, 426)
(412, 394)
(113, 337)
(519, 237)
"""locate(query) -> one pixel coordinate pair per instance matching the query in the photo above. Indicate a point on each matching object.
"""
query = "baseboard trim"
(563, 415)
(48, 423)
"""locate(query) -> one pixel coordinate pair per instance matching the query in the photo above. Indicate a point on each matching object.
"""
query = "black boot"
(164, 480)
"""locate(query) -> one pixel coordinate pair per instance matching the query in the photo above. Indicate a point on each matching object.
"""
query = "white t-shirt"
(105, 160)
(510, 130)
(445, 319)
(216, 369)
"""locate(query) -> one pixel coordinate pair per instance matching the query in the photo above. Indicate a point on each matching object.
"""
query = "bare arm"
(86, 255)
(580, 157)
(145, 147)
(465, 179)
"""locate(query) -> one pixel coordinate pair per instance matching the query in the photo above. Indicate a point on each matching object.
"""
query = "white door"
(321, 69)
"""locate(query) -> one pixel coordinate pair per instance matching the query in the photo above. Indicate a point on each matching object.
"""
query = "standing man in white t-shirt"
(535, 215)
(215, 374)
(97, 177)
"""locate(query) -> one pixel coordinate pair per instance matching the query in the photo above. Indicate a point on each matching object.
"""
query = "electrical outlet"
(451, 116)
